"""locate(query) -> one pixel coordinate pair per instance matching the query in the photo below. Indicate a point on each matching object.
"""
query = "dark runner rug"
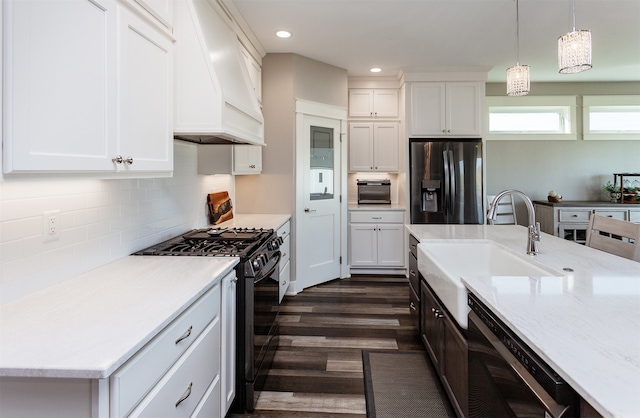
(402, 384)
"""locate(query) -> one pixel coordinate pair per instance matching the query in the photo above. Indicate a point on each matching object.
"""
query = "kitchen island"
(583, 323)
(60, 346)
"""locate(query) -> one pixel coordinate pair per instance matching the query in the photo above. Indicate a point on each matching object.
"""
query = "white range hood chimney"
(214, 99)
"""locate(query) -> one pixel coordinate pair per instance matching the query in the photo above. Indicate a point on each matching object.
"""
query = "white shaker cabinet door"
(145, 96)
(60, 85)
(385, 147)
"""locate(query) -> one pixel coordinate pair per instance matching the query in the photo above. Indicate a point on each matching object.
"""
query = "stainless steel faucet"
(534, 227)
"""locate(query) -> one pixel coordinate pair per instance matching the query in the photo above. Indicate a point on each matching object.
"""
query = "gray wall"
(286, 77)
(575, 169)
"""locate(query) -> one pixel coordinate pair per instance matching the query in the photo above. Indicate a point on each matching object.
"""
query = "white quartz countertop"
(242, 220)
(584, 324)
(88, 326)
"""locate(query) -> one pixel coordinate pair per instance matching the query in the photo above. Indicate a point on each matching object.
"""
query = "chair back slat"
(614, 236)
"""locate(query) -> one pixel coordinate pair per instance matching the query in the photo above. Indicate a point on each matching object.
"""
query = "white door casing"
(320, 219)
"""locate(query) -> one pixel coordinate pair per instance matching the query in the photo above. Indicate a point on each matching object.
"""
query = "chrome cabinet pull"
(234, 280)
(119, 160)
(185, 335)
(252, 166)
(186, 394)
(412, 306)
(412, 273)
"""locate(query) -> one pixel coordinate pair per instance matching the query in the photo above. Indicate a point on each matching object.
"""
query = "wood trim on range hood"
(214, 99)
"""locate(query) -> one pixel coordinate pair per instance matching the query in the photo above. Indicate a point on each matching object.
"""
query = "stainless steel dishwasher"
(506, 378)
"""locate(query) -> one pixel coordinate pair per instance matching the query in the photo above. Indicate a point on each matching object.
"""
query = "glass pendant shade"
(518, 78)
(574, 52)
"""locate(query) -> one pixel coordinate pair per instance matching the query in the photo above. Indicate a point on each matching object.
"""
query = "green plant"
(611, 188)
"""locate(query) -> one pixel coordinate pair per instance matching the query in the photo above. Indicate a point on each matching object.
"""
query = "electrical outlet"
(50, 227)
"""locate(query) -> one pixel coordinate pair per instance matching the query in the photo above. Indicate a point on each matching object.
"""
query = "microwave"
(374, 191)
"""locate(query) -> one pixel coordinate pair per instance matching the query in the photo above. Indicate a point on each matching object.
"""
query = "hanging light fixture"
(518, 76)
(574, 48)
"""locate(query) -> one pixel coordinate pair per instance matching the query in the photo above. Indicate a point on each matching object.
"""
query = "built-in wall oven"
(257, 298)
(506, 378)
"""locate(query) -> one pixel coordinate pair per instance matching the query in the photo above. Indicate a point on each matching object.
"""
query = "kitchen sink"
(443, 264)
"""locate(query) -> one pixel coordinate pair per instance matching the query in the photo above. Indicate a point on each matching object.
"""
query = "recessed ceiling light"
(375, 70)
(283, 34)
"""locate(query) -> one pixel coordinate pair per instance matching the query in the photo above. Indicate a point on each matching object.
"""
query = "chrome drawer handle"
(184, 397)
(376, 217)
(412, 306)
(234, 280)
(412, 273)
(185, 335)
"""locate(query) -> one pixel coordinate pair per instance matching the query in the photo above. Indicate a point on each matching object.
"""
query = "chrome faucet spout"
(533, 234)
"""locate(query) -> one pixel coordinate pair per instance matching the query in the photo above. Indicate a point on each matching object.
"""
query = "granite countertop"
(584, 324)
(88, 326)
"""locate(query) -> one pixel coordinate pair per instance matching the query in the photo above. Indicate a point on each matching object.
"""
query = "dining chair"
(614, 236)
(505, 212)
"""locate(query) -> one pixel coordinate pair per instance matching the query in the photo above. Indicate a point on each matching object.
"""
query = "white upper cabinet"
(446, 109)
(60, 109)
(373, 103)
(229, 159)
(145, 96)
(87, 84)
(255, 71)
(160, 9)
(373, 146)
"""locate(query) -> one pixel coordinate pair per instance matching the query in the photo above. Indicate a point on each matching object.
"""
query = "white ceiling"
(393, 34)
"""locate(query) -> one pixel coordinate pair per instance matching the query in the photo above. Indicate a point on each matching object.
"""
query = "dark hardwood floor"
(317, 370)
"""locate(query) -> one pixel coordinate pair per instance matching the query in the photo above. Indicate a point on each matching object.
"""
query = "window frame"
(613, 101)
(524, 104)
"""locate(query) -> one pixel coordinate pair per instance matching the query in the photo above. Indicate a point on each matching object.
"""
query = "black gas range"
(257, 298)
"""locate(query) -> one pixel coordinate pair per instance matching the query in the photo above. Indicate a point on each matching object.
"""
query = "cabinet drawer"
(578, 215)
(285, 250)
(378, 217)
(136, 377)
(634, 216)
(191, 375)
(285, 279)
(284, 230)
(615, 214)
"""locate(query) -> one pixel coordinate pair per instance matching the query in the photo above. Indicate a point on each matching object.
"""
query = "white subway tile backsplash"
(100, 220)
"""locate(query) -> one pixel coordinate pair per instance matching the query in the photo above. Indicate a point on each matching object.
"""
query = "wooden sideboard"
(570, 219)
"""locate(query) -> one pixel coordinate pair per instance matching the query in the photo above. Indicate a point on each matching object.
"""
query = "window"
(531, 117)
(611, 117)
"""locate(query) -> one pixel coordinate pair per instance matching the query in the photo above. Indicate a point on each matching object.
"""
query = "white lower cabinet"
(570, 221)
(376, 239)
(284, 232)
(187, 369)
(227, 344)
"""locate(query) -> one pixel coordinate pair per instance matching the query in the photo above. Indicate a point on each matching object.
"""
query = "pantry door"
(318, 198)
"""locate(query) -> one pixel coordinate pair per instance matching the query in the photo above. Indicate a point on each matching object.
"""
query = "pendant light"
(518, 76)
(574, 48)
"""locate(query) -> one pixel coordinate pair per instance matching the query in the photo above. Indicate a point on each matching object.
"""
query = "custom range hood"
(214, 99)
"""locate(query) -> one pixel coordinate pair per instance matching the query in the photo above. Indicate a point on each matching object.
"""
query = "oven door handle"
(556, 410)
(271, 270)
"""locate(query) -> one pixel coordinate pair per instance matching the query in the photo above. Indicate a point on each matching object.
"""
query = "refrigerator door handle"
(446, 200)
(452, 179)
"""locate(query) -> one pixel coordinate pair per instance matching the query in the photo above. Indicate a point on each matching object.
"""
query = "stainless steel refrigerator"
(446, 181)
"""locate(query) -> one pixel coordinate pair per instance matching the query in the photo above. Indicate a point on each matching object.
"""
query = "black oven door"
(263, 343)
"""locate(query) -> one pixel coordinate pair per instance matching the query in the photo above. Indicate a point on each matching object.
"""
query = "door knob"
(309, 210)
